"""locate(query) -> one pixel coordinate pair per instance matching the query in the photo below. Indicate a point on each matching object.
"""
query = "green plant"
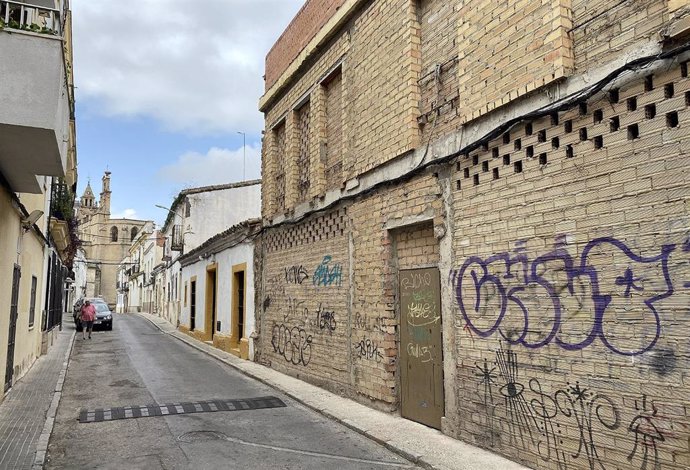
(14, 24)
(34, 27)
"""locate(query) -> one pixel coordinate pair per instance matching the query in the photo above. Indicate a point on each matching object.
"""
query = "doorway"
(192, 305)
(237, 333)
(11, 338)
(421, 347)
(211, 301)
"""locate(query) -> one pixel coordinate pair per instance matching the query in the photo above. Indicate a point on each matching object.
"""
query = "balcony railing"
(177, 242)
(26, 16)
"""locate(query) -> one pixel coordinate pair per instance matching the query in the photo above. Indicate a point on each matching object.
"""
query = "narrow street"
(136, 364)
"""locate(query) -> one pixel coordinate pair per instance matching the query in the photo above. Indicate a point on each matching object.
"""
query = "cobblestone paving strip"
(143, 411)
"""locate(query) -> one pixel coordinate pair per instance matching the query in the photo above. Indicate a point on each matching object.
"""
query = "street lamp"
(164, 208)
(244, 155)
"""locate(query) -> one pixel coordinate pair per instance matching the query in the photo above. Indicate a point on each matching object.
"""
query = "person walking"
(88, 315)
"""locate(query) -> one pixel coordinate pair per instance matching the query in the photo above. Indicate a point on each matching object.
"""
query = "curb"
(44, 438)
(415, 459)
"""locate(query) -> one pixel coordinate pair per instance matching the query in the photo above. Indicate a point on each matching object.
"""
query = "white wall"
(213, 212)
(225, 260)
(79, 275)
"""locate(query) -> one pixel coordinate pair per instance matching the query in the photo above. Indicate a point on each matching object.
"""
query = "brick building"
(477, 215)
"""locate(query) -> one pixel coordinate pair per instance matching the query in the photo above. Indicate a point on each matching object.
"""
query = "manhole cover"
(202, 436)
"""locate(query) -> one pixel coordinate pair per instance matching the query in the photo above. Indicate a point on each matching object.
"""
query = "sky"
(165, 89)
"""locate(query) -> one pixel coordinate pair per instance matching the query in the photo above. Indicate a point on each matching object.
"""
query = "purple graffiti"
(493, 302)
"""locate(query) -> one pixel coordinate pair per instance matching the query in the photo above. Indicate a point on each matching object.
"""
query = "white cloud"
(125, 214)
(217, 166)
(192, 66)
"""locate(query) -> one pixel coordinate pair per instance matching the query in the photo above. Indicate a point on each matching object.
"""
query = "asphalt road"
(136, 364)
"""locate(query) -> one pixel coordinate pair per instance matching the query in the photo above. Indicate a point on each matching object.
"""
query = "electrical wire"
(564, 104)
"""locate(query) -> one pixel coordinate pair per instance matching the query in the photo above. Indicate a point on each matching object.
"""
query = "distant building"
(138, 271)
(105, 240)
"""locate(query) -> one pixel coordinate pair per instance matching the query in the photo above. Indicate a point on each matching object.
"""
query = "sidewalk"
(25, 414)
(422, 445)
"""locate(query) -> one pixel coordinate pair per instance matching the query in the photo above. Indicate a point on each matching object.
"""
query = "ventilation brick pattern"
(619, 174)
(322, 227)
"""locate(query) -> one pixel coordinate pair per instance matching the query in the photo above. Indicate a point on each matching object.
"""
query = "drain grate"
(144, 411)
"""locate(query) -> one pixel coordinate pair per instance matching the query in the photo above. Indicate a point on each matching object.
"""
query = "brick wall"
(566, 260)
(571, 296)
(305, 312)
(306, 24)
(602, 30)
(438, 81)
(366, 101)
(508, 49)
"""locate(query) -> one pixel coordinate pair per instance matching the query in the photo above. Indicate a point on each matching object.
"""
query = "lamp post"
(164, 208)
(244, 155)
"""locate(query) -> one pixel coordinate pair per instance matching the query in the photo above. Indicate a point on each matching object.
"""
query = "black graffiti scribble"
(368, 349)
(325, 319)
(518, 410)
(296, 274)
(488, 380)
(646, 434)
(294, 344)
(545, 408)
(590, 412)
(585, 407)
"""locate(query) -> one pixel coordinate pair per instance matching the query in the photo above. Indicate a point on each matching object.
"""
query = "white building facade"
(218, 290)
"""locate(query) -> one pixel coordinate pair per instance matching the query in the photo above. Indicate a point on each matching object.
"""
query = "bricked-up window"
(303, 134)
(333, 146)
(438, 80)
(279, 165)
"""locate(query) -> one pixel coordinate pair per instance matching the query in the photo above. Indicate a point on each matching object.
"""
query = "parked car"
(104, 317)
(99, 304)
(78, 304)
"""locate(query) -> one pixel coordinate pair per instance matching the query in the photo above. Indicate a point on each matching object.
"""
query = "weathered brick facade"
(559, 220)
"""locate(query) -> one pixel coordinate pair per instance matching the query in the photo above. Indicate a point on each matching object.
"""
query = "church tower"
(88, 199)
(105, 194)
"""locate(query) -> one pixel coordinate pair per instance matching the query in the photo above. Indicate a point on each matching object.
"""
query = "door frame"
(12, 333)
(192, 303)
(211, 302)
(236, 336)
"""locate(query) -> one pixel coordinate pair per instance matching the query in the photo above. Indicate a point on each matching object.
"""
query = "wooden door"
(421, 347)
(14, 313)
(192, 306)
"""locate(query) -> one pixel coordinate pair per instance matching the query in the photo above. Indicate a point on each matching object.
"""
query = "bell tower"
(105, 194)
(88, 200)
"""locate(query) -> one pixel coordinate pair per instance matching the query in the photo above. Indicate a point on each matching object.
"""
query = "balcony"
(61, 216)
(177, 242)
(35, 104)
